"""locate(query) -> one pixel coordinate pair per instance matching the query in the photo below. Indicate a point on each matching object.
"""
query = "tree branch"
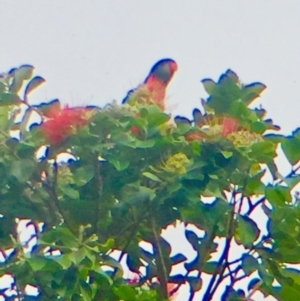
(213, 284)
(51, 189)
(253, 206)
(99, 183)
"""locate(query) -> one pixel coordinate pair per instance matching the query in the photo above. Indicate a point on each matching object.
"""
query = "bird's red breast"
(157, 81)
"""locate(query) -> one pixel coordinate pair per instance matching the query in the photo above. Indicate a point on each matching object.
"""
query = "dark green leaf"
(62, 234)
(195, 283)
(253, 283)
(9, 99)
(291, 148)
(247, 231)
(22, 169)
(125, 292)
(210, 267)
(178, 258)
(83, 175)
(118, 164)
(249, 264)
(2, 88)
(192, 238)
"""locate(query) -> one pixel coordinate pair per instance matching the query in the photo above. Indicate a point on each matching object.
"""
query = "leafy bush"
(129, 171)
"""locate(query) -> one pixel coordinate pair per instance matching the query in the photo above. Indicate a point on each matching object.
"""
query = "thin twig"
(230, 273)
(253, 206)
(51, 189)
(128, 241)
(213, 284)
(161, 267)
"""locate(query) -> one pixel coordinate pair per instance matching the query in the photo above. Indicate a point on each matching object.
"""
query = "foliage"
(130, 172)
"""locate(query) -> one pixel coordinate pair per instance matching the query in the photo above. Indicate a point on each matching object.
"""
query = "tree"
(132, 170)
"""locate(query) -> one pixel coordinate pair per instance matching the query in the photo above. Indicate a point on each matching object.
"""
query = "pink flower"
(62, 122)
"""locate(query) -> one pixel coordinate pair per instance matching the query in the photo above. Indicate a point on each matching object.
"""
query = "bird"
(154, 86)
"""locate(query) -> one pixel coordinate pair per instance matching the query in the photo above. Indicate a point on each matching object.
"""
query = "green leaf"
(291, 273)
(24, 72)
(252, 91)
(210, 86)
(178, 258)
(69, 191)
(263, 152)
(45, 107)
(97, 269)
(192, 238)
(25, 122)
(227, 154)
(287, 292)
(44, 264)
(83, 175)
(249, 264)
(258, 127)
(230, 76)
(25, 150)
(253, 283)
(291, 148)
(119, 164)
(38, 263)
(151, 176)
(210, 267)
(33, 84)
(62, 234)
(64, 260)
(292, 181)
(125, 139)
(145, 144)
(125, 292)
(154, 115)
(78, 255)
(290, 254)
(247, 231)
(9, 99)
(7, 225)
(279, 195)
(22, 169)
(19, 75)
(254, 185)
(2, 88)
(136, 194)
(85, 291)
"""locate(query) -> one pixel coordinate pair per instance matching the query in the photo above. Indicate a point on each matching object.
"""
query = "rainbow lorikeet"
(155, 84)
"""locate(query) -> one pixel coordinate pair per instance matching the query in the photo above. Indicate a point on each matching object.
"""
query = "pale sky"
(92, 52)
(95, 51)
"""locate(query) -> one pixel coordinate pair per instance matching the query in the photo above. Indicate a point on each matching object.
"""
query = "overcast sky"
(92, 52)
(95, 51)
